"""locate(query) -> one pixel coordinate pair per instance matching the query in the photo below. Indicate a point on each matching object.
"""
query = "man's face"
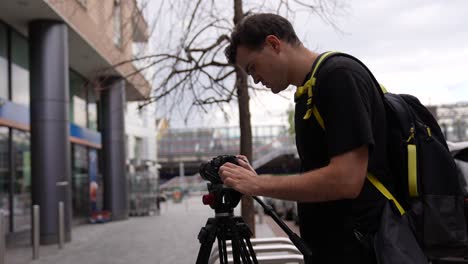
(265, 66)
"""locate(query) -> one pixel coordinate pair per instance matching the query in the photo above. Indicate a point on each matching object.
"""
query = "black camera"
(209, 170)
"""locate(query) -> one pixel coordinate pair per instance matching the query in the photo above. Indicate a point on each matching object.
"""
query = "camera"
(209, 170)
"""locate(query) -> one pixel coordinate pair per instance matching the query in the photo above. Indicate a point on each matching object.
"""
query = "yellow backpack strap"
(308, 87)
(384, 90)
(385, 192)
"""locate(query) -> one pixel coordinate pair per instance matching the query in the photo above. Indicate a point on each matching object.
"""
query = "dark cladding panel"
(113, 144)
(49, 88)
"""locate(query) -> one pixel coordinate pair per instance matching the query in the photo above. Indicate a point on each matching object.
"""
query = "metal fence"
(217, 141)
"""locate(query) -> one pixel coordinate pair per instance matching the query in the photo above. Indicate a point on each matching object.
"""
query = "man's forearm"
(319, 185)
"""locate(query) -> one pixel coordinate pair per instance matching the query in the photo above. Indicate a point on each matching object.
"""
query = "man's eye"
(251, 70)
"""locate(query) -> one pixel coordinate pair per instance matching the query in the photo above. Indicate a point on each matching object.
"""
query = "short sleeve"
(343, 101)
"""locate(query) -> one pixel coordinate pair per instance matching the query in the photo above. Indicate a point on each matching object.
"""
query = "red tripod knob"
(208, 199)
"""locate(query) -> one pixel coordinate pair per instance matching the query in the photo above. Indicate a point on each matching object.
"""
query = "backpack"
(426, 186)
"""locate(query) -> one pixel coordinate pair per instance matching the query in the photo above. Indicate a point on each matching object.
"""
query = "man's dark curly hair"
(252, 30)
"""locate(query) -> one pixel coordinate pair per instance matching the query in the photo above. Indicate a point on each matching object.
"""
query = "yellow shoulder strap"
(384, 90)
(308, 87)
(385, 192)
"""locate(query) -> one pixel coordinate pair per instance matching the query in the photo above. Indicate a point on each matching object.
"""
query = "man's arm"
(343, 178)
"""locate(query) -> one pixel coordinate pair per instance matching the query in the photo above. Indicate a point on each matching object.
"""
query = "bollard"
(2, 239)
(35, 231)
(61, 214)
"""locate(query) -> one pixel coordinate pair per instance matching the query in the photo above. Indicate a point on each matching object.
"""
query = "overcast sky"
(418, 47)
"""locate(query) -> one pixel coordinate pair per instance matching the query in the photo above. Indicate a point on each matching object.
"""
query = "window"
(19, 69)
(92, 110)
(78, 107)
(80, 181)
(138, 148)
(117, 23)
(3, 62)
(96, 183)
(22, 181)
(4, 174)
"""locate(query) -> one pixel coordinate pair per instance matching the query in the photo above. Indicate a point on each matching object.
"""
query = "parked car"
(459, 152)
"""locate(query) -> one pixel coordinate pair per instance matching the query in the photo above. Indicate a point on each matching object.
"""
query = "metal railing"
(216, 141)
(275, 250)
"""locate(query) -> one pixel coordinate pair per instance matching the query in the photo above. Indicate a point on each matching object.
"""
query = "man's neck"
(301, 62)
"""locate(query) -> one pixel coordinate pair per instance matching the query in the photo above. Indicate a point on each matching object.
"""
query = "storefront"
(15, 138)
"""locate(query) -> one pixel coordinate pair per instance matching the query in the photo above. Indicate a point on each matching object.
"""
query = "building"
(142, 168)
(63, 95)
(273, 149)
(453, 120)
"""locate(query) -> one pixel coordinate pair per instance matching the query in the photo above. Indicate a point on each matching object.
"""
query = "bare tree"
(193, 72)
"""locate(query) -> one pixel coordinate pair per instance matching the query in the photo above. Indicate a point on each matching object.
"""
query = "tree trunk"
(247, 209)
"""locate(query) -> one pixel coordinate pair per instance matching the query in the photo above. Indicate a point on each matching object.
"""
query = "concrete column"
(50, 145)
(113, 143)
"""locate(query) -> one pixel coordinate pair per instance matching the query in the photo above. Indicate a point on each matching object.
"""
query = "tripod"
(224, 226)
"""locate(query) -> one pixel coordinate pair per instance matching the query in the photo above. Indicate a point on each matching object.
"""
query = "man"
(339, 210)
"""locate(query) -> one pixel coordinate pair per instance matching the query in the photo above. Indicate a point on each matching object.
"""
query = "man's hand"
(242, 177)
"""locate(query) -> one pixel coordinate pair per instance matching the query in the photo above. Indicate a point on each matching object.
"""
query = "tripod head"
(220, 198)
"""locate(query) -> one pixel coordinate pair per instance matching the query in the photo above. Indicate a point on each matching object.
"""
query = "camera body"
(209, 170)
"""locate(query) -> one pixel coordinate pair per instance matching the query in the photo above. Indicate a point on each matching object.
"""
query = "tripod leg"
(251, 250)
(244, 252)
(235, 249)
(222, 250)
(238, 243)
(206, 237)
(245, 234)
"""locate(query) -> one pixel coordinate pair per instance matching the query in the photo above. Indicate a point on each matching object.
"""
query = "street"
(168, 238)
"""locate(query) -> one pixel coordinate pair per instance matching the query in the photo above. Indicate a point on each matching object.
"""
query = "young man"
(339, 209)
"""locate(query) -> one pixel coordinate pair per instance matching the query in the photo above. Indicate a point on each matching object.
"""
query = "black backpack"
(426, 177)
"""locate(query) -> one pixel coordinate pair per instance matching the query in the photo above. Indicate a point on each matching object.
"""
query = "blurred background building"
(142, 166)
(63, 98)
(453, 120)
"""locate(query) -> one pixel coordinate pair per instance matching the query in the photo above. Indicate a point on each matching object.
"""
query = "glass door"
(22, 181)
(80, 182)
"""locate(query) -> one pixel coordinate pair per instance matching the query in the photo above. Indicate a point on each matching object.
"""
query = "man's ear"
(274, 42)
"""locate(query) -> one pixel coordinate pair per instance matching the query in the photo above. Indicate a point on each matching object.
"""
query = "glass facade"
(138, 149)
(15, 149)
(92, 110)
(22, 181)
(5, 173)
(15, 182)
(83, 103)
(19, 69)
(78, 95)
(3, 62)
(117, 24)
(96, 186)
(80, 181)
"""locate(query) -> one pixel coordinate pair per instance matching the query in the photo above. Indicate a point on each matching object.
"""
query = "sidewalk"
(168, 238)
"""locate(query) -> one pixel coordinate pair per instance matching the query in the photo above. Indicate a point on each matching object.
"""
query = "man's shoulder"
(340, 63)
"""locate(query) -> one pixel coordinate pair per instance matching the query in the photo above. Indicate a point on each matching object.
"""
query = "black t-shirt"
(354, 115)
